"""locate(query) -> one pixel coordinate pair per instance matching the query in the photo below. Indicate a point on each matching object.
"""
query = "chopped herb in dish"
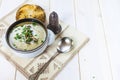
(21, 25)
(26, 35)
(42, 41)
(34, 23)
(36, 35)
(17, 36)
(14, 45)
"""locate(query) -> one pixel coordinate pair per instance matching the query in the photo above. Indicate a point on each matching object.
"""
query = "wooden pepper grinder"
(54, 23)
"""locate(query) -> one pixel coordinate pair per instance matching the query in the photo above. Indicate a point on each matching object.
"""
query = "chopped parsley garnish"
(26, 35)
(36, 35)
(21, 25)
(34, 23)
(42, 41)
(29, 40)
(14, 45)
(17, 36)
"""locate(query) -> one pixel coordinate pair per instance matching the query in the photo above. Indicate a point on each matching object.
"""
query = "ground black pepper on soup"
(27, 36)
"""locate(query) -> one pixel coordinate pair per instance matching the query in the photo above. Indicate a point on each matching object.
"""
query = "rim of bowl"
(12, 26)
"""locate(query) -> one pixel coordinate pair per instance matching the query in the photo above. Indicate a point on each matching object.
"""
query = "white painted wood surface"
(111, 17)
(98, 19)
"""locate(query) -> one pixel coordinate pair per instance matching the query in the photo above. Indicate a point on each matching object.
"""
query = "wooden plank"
(8, 6)
(0, 2)
(6, 69)
(111, 17)
(94, 58)
(65, 10)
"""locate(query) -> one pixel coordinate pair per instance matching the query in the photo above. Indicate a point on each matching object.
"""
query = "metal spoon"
(64, 46)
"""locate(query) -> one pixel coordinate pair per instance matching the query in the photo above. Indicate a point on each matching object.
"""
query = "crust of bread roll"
(31, 11)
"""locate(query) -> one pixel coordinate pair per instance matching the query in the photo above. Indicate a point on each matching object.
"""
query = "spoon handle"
(41, 70)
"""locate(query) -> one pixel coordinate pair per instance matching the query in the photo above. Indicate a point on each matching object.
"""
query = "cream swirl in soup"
(27, 36)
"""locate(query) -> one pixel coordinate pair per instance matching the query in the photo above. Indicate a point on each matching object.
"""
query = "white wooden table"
(100, 20)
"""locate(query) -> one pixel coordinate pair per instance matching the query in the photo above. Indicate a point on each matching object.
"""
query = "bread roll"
(31, 11)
